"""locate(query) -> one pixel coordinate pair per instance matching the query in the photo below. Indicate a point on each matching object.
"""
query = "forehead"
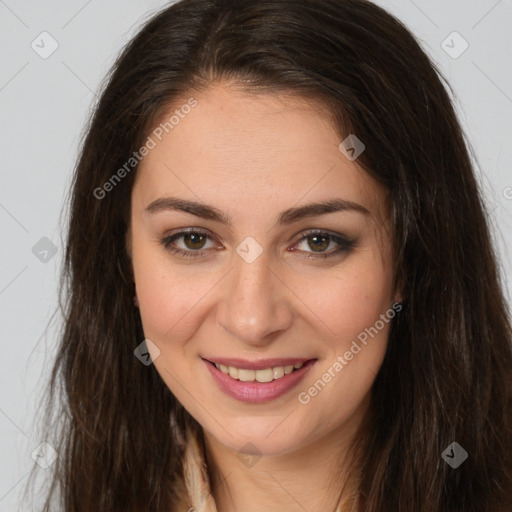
(252, 149)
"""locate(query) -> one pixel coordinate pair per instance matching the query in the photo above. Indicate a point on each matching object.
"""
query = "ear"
(399, 295)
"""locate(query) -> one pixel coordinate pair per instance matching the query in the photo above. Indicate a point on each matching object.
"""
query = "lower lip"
(257, 392)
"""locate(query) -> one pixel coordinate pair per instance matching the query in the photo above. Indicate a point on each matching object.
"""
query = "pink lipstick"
(254, 391)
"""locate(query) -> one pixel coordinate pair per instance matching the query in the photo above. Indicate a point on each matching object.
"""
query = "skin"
(253, 156)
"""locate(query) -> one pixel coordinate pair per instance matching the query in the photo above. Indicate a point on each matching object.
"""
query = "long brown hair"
(446, 376)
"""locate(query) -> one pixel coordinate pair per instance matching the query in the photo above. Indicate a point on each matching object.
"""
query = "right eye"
(193, 242)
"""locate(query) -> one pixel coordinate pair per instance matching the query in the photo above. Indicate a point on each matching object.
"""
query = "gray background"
(45, 102)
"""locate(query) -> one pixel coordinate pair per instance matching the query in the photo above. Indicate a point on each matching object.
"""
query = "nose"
(255, 307)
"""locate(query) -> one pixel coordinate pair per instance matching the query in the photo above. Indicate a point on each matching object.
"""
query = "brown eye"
(194, 240)
(315, 244)
(318, 243)
(187, 243)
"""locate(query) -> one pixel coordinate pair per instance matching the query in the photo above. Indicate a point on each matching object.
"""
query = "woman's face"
(262, 273)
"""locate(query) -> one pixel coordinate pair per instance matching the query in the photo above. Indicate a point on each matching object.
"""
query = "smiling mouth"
(262, 375)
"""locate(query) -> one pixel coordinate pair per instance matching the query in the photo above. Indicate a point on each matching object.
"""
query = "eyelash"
(343, 243)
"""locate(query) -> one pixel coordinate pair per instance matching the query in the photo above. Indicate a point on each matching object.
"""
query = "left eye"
(320, 240)
(193, 243)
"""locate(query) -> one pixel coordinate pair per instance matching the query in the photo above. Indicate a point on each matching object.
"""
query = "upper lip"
(261, 364)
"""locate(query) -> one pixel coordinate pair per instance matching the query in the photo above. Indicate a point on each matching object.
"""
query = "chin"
(265, 436)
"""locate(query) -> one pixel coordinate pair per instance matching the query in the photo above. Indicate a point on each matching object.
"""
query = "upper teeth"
(266, 375)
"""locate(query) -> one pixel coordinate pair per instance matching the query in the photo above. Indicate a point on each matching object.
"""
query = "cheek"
(355, 314)
(352, 301)
(169, 296)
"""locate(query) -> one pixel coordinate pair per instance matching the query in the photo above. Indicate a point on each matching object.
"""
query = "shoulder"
(192, 488)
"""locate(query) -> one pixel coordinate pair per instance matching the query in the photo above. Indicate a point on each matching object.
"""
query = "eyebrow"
(286, 217)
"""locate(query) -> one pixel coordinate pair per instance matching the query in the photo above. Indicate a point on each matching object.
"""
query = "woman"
(282, 288)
